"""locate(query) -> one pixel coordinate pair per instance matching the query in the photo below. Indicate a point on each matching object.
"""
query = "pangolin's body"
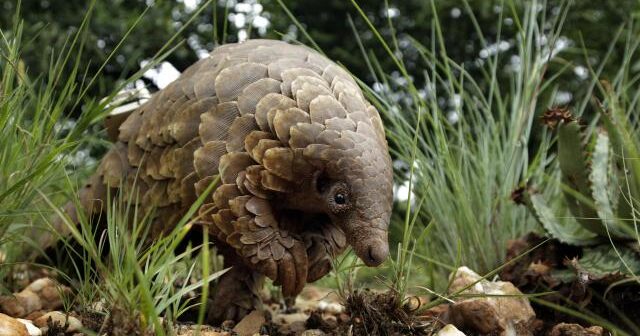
(301, 157)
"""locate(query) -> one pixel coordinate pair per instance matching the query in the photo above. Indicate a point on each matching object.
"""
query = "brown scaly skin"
(301, 155)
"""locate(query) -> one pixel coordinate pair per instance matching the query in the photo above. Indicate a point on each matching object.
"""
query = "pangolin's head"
(335, 130)
(355, 191)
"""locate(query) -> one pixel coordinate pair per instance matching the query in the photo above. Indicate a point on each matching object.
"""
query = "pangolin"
(299, 156)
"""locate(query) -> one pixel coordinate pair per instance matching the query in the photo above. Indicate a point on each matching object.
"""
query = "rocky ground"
(484, 308)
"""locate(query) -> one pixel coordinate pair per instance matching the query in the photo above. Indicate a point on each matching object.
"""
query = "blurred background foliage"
(51, 22)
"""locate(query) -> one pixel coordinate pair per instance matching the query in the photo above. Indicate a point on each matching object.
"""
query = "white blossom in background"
(292, 33)
(563, 98)
(128, 99)
(558, 45)
(455, 12)
(494, 49)
(161, 75)
(402, 191)
(581, 72)
(194, 43)
(65, 125)
(515, 63)
(453, 117)
(248, 14)
(80, 158)
(455, 101)
(392, 12)
(190, 5)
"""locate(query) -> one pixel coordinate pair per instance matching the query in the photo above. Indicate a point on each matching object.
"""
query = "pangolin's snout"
(372, 252)
(369, 242)
(377, 253)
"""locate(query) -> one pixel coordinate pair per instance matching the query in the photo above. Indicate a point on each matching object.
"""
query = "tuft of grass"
(462, 145)
(135, 274)
(39, 143)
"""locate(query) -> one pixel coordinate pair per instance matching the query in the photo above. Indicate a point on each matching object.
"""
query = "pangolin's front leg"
(324, 243)
(237, 292)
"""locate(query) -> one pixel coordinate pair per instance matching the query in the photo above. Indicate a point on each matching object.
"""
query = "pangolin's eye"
(339, 198)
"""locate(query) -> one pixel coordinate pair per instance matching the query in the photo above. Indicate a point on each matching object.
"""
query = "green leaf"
(566, 230)
(603, 263)
(573, 164)
(604, 187)
(626, 151)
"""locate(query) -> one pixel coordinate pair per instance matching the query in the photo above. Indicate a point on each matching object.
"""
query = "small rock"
(450, 330)
(40, 284)
(73, 324)
(204, 330)
(412, 304)
(250, 324)
(291, 318)
(291, 323)
(12, 327)
(331, 319)
(313, 298)
(313, 293)
(228, 324)
(206, 333)
(509, 315)
(330, 307)
(99, 305)
(344, 318)
(325, 322)
(439, 312)
(20, 304)
(296, 327)
(313, 332)
(570, 329)
(35, 315)
(31, 329)
(55, 316)
(44, 293)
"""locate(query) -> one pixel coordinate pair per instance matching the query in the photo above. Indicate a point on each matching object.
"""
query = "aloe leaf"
(626, 152)
(608, 264)
(566, 230)
(573, 164)
(603, 187)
